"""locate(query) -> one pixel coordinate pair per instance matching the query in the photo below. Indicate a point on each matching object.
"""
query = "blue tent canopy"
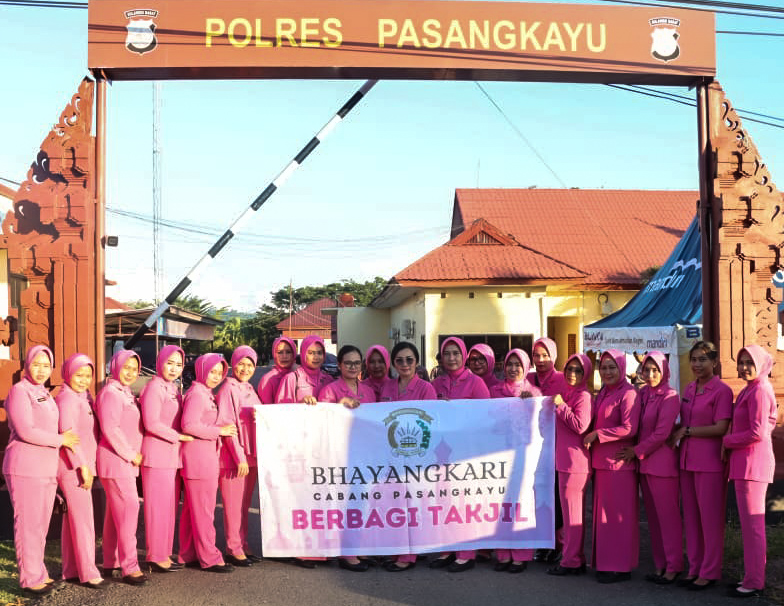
(674, 294)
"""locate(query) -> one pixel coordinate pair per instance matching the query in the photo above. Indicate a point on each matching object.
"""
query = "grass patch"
(733, 558)
(10, 592)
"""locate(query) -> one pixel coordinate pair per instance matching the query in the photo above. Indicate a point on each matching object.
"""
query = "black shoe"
(653, 577)
(517, 567)
(358, 567)
(371, 562)
(549, 556)
(176, 565)
(102, 584)
(137, 580)
(735, 592)
(662, 580)
(235, 561)
(442, 562)
(192, 564)
(502, 566)
(155, 567)
(254, 558)
(224, 568)
(695, 587)
(309, 564)
(45, 590)
(393, 566)
(455, 567)
(563, 571)
(685, 582)
(73, 580)
(613, 577)
(108, 573)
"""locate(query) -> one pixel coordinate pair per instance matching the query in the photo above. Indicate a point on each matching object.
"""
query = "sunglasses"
(407, 361)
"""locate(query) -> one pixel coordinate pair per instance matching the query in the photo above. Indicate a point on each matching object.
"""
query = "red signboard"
(207, 39)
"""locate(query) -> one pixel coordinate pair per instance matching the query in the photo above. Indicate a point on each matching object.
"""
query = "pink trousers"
(516, 555)
(704, 498)
(198, 516)
(236, 494)
(119, 524)
(662, 507)
(750, 496)
(616, 530)
(161, 491)
(572, 495)
(77, 537)
(32, 500)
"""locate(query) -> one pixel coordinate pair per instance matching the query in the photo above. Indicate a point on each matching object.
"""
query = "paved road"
(281, 584)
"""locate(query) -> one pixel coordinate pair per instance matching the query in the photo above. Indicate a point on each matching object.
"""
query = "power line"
(739, 5)
(44, 4)
(728, 31)
(692, 8)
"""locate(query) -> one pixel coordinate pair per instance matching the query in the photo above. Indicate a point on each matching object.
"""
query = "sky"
(378, 193)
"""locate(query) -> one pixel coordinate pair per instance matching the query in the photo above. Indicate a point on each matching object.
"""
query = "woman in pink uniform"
(659, 468)
(238, 469)
(706, 410)
(377, 362)
(551, 382)
(572, 461)
(283, 350)
(200, 464)
(750, 448)
(76, 472)
(515, 385)
(408, 386)
(119, 459)
(616, 532)
(457, 383)
(349, 391)
(304, 384)
(30, 466)
(481, 362)
(161, 406)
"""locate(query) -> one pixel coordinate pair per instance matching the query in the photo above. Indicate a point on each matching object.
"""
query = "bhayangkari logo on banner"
(408, 432)
(665, 38)
(141, 30)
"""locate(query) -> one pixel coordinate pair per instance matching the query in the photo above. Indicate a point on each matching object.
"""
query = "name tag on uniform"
(42, 399)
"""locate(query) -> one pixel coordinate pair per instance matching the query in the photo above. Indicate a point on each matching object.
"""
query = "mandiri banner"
(406, 477)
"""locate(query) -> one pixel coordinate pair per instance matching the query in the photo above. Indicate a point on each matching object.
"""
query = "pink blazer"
(76, 413)
(235, 402)
(660, 409)
(161, 406)
(200, 419)
(378, 387)
(572, 422)
(462, 385)
(338, 389)
(707, 408)
(32, 419)
(417, 389)
(551, 384)
(616, 421)
(121, 431)
(299, 384)
(750, 438)
(270, 384)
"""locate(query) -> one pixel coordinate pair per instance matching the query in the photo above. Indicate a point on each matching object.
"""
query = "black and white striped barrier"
(276, 183)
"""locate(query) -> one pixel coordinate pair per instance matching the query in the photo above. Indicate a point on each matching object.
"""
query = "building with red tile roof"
(525, 263)
(310, 321)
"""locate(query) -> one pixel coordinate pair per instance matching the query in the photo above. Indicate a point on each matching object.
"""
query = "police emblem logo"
(664, 46)
(408, 432)
(141, 30)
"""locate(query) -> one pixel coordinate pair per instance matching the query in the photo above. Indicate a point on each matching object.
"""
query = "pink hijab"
(163, 356)
(461, 346)
(73, 364)
(515, 388)
(620, 359)
(763, 362)
(244, 351)
(275, 343)
(551, 348)
(31, 355)
(205, 363)
(489, 355)
(585, 362)
(303, 348)
(118, 361)
(660, 360)
(372, 381)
